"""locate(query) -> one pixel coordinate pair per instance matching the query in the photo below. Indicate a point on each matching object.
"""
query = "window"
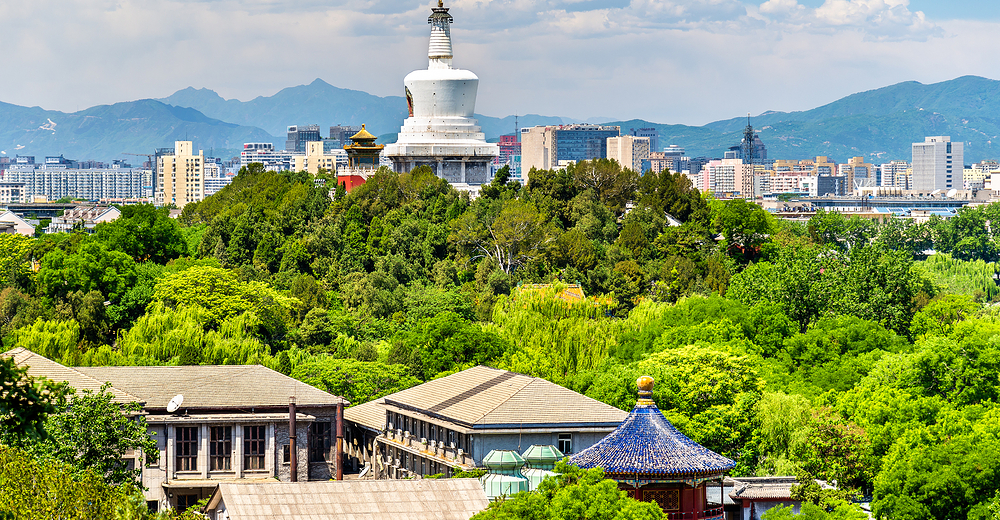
(186, 501)
(253, 447)
(187, 448)
(221, 448)
(566, 443)
(320, 441)
(286, 453)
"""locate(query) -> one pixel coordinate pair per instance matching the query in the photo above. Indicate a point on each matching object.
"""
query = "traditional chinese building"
(362, 159)
(654, 462)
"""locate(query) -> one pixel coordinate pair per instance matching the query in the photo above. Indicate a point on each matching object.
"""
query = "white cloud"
(671, 61)
(883, 20)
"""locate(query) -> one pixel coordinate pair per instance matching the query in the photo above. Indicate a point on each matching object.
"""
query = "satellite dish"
(175, 403)
(951, 193)
(935, 192)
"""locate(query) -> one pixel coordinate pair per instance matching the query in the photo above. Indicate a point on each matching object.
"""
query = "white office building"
(937, 164)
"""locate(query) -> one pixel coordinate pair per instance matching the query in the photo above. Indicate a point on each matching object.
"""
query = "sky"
(666, 61)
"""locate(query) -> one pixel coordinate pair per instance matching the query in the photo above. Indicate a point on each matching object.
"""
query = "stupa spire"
(439, 51)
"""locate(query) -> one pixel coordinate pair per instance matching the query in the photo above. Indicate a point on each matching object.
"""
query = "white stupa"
(441, 131)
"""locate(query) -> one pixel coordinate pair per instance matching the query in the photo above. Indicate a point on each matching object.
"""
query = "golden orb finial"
(440, 3)
(645, 384)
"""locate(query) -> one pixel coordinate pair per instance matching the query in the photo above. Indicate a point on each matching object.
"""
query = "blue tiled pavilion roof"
(646, 444)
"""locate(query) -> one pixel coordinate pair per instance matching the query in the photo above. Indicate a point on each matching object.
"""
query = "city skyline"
(685, 61)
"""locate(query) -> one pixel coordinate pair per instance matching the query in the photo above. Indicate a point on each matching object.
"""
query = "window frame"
(565, 440)
(220, 457)
(254, 447)
(186, 447)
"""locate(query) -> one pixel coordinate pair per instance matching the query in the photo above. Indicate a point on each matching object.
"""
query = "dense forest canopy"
(850, 350)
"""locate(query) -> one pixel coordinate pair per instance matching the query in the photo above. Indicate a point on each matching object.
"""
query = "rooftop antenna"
(175, 403)
(517, 134)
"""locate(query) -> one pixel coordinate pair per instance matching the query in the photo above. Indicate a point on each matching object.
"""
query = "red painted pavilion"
(654, 462)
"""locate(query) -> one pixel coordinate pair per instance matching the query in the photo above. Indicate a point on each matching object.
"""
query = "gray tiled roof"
(482, 397)
(212, 386)
(763, 488)
(41, 366)
(426, 499)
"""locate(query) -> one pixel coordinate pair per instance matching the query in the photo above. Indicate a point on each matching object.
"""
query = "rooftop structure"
(654, 462)
(504, 477)
(456, 420)
(440, 131)
(430, 499)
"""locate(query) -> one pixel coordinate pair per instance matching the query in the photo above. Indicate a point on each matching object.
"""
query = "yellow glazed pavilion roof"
(363, 135)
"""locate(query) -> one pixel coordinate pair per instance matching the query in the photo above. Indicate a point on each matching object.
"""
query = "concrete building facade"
(180, 177)
(630, 152)
(937, 164)
(549, 147)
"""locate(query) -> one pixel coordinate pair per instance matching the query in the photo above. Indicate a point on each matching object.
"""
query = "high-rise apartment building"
(629, 151)
(727, 177)
(893, 174)
(653, 135)
(937, 164)
(180, 177)
(299, 135)
(547, 147)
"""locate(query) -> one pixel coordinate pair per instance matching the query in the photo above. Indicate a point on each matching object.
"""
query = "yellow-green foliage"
(14, 258)
(553, 338)
(31, 489)
(179, 336)
(974, 278)
(54, 339)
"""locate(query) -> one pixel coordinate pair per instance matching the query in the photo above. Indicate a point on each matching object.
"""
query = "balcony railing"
(715, 513)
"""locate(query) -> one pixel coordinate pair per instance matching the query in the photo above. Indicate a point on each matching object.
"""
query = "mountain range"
(878, 124)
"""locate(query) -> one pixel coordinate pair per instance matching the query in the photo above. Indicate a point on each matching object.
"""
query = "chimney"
(340, 441)
(292, 452)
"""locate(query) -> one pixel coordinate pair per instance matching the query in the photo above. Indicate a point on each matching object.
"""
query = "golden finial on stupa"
(440, 3)
(645, 384)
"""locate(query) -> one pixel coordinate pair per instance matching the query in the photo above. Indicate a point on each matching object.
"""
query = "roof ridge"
(100, 383)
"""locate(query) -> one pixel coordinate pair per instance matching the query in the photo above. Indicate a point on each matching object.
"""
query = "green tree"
(25, 402)
(145, 233)
(512, 239)
(31, 489)
(92, 432)
(573, 494)
(610, 183)
(744, 225)
(15, 259)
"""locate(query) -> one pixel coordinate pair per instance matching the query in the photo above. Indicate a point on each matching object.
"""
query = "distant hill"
(323, 104)
(879, 124)
(883, 123)
(104, 132)
(316, 103)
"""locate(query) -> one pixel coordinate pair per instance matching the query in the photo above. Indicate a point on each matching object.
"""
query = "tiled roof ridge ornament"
(645, 384)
